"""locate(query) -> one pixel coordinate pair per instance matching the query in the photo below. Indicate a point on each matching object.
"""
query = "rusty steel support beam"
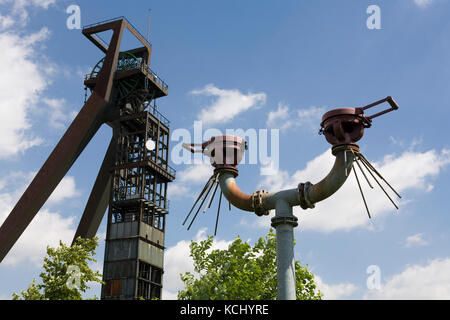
(99, 198)
(106, 74)
(54, 169)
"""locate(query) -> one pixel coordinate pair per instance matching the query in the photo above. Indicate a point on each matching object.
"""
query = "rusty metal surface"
(224, 151)
(258, 203)
(336, 177)
(343, 126)
(91, 30)
(106, 74)
(346, 125)
(99, 198)
(231, 191)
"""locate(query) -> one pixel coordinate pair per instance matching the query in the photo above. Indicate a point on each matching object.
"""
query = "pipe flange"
(257, 203)
(234, 171)
(292, 221)
(303, 189)
(346, 147)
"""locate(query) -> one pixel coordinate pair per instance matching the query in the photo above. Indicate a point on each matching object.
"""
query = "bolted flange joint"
(257, 203)
(292, 220)
(303, 189)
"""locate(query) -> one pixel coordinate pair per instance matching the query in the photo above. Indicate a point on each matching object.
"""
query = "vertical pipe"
(284, 223)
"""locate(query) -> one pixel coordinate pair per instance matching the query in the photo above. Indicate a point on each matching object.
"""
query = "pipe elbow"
(306, 195)
(311, 194)
(231, 191)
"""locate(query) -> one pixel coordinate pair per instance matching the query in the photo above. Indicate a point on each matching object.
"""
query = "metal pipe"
(312, 193)
(232, 192)
(284, 221)
(335, 178)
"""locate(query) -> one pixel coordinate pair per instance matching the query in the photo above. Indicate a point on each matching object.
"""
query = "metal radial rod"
(359, 166)
(382, 178)
(208, 204)
(201, 204)
(360, 189)
(199, 196)
(368, 169)
(209, 185)
(216, 187)
(218, 212)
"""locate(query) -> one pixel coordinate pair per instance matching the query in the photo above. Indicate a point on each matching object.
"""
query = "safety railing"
(158, 115)
(144, 68)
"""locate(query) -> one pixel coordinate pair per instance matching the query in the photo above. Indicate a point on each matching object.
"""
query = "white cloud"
(16, 182)
(21, 83)
(279, 118)
(188, 178)
(47, 227)
(58, 113)
(283, 118)
(415, 240)
(310, 117)
(226, 104)
(19, 9)
(20, 4)
(24, 75)
(430, 282)
(177, 260)
(66, 189)
(195, 173)
(423, 3)
(37, 37)
(336, 291)
(345, 209)
(6, 22)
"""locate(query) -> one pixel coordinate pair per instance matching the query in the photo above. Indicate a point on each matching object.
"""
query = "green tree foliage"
(240, 272)
(66, 273)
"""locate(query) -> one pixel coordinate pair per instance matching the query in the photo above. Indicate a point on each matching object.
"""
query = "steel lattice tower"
(138, 204)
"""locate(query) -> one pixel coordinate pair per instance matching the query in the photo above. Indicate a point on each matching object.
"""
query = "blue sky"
(251, 65)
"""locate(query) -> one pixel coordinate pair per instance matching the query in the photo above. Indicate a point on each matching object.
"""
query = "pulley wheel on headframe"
(127, 61)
